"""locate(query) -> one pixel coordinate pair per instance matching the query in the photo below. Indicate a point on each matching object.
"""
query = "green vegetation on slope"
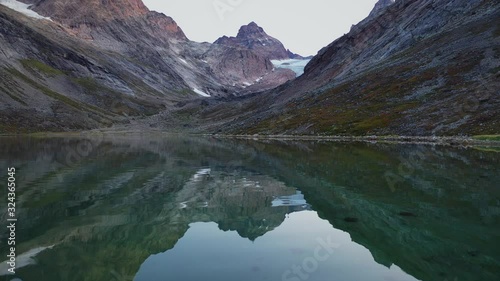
(116, 102)
(41, 67)
(76, 104)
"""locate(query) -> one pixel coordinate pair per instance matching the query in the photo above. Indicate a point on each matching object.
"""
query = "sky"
(302, 26)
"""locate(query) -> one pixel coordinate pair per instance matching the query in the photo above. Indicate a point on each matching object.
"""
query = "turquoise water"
(179, 208)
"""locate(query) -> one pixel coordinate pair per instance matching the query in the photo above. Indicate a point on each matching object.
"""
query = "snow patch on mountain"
(201, 93)
(22, 8)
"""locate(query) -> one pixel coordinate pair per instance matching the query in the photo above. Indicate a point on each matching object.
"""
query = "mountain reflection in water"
(156, 208)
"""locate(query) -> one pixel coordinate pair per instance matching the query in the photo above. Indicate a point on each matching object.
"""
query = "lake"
(143, 207)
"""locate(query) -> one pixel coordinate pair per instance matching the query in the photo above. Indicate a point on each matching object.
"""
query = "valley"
(411, 68)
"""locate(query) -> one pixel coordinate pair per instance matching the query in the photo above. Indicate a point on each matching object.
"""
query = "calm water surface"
(176, 208)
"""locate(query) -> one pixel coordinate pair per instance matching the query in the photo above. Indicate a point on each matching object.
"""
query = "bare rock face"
(161, 24)
(253, 37)
(76, 12)
(236, 63)
(244, 69)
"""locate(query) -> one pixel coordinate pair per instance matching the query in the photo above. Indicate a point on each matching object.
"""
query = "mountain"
(254, 37)
(77, 65)
(418, 68)
(247, 56)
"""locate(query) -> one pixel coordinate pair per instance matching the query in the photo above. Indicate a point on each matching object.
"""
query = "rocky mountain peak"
(380, 6)
(251, 29)
(253, 37)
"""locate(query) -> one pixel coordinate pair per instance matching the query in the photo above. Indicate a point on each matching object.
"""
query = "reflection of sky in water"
(207, 253)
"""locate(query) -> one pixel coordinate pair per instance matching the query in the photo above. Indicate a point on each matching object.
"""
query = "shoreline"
(480, 140)
(427, 140)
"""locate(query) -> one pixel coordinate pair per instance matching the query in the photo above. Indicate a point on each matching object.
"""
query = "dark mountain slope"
(53, 81)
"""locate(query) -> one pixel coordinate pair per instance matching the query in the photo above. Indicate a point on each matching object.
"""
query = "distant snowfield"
(22, 8)
(294, 64)
(201, 93)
